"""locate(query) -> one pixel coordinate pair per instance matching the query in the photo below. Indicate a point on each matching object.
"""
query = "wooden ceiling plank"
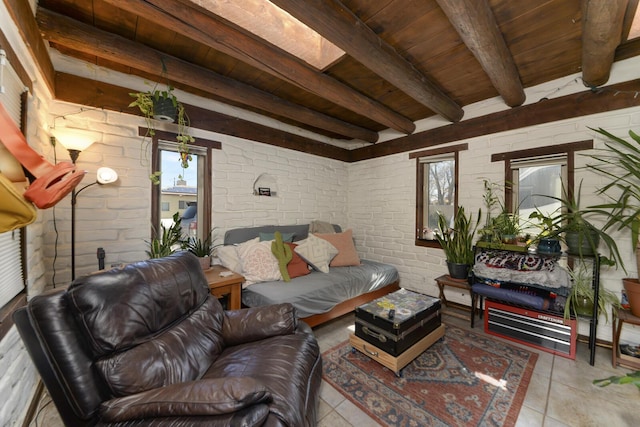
(344, 29)
(210, 30)
(602, 23)
(477, 27)
(87, 39)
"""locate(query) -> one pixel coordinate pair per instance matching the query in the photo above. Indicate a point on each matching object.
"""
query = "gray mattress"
(319, 292)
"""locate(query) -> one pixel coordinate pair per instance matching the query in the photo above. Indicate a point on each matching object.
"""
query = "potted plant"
(168, 241)
(457, 242)
(620, 163)
(581, 298)
(202, 248)
(502, 228)
(571, 224)
(164, 106)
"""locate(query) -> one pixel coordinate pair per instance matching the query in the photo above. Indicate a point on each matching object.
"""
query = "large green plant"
(457, 242)
(582, 292)
(620, 163)
(571, 218)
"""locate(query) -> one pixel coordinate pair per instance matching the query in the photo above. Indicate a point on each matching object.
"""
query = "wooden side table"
(620, 317)
(446, 280)
(225, 285)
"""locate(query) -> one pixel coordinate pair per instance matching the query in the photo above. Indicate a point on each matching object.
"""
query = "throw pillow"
(297, 266)
(258, 263)
(286, 237)
(317, 252)
(347, 254)
(228, 256)
(321, 227)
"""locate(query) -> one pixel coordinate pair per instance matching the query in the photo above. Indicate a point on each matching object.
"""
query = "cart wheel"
(353, 350)
(399, 374)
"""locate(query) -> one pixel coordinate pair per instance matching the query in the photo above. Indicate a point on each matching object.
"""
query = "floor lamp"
(103, 176)
(75, 143)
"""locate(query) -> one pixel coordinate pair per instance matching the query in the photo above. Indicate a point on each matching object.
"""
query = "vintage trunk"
(415, 316)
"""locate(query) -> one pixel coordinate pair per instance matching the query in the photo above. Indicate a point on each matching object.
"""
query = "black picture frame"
(264, 191)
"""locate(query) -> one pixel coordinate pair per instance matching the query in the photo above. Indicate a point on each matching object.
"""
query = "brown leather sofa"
(146, 345)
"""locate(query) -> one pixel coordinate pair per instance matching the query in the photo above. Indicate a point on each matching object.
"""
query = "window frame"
(453, 150)
(568, 149)
(169, 137)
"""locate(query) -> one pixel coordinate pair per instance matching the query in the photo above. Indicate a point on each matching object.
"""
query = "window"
(536, 173)
(533, 181)
(436, 190)
(191, 185)
(183, 190)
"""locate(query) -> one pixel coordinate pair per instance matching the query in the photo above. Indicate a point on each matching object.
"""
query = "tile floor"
(560, 393)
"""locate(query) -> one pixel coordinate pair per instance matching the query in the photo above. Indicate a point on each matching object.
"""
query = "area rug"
(464, 379)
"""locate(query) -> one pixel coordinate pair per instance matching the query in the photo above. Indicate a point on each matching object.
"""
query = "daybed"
(148, 345)
(318, 296)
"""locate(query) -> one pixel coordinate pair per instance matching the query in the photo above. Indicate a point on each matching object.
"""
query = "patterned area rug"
(462, 380)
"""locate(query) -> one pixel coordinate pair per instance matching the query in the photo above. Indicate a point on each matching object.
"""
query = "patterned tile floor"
(560, 393)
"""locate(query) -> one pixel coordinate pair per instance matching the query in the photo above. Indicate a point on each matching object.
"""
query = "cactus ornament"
(283, 254)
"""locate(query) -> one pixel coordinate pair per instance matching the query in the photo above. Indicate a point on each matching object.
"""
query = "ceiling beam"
(208, 29)
(22, 15)
(343, 28)
(602, 25)
(609, 98)
(87, 39)
(79, 90)
(475, 23)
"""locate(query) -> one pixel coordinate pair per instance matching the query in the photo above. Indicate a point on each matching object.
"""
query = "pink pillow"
(347, 254)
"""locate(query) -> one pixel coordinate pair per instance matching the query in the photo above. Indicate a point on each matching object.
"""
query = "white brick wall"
(381, 201)
(18, 379)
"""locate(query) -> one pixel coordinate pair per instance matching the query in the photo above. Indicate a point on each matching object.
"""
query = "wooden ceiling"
(406, 60)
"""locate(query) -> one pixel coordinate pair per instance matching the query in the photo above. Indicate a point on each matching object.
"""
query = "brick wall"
(381, 201)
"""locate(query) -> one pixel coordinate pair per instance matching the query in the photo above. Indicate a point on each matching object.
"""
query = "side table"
(225, 285)
(446, 280)
(620, 317)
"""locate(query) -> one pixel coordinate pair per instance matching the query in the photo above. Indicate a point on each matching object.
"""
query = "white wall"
(382, 201)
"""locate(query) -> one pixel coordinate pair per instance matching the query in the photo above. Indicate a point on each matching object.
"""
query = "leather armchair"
(146, 345)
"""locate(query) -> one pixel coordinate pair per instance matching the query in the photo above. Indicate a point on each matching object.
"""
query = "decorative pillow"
(258, 263)
(228, 256)
(321, 227)
(317, 252)
(347, 254)
(297, 266)
(286, 237)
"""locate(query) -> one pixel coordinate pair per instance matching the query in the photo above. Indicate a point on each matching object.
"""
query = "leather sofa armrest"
(257, 323)
(216, 396)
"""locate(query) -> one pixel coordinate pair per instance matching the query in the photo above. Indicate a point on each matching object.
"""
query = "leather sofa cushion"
(181, 353)
(196, 398)
(121, 308)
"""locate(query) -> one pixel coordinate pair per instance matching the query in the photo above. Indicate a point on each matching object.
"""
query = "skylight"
(273, 24)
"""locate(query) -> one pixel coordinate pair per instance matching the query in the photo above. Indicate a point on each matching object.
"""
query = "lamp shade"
(106, 176)
(74, 139)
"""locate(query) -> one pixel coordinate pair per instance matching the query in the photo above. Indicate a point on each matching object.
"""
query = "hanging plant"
(164, 106)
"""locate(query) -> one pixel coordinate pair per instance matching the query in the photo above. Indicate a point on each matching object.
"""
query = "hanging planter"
(164, 109)
(164, 106)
